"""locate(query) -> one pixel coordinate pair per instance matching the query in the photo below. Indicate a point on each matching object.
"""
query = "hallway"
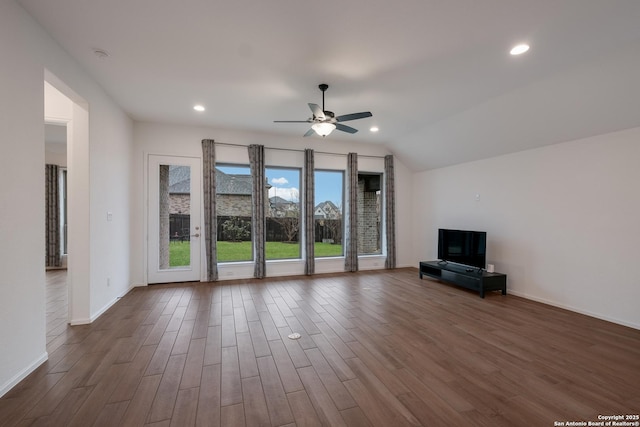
(57, 308)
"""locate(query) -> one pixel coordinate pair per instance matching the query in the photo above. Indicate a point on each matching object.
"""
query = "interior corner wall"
(561, 221)
(166, 139)
(26, 51)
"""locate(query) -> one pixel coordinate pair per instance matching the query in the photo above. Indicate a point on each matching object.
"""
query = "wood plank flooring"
(376, 349)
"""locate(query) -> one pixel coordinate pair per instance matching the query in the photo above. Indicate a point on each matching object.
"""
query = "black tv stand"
(461, 275)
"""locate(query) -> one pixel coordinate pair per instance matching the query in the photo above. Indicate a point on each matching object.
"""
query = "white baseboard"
(107, 306)
(81, 321)
(110, 304)
(23, 374)
(574, 309)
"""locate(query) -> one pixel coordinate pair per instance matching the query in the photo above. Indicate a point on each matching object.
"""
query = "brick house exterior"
(234, 195)
(369, 227)
(179, 190)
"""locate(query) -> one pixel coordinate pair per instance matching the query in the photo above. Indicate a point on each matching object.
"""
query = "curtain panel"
(309, 205)
(52, 225)
(351, 244)
(390, 211)
(258, 223)
(210, 220)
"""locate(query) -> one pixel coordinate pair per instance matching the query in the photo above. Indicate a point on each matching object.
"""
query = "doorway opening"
(66, 123)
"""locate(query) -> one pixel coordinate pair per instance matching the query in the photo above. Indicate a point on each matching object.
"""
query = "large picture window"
(328, 213)
(369, 213)
(233, 210)
(283, 213)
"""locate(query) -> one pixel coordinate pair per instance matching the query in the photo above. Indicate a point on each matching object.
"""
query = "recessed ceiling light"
(519, 49)
(374, 129)
(198, 107)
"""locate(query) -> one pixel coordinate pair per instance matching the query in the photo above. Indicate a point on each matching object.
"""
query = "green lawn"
(179, 254)
(327, 249)
(241, 251)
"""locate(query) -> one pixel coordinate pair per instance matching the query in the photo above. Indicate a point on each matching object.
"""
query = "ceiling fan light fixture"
(323, 129)
(519, 49)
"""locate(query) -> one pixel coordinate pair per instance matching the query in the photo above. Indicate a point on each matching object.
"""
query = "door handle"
(195, 235)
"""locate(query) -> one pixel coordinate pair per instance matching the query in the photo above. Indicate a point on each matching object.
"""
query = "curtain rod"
(296, 150)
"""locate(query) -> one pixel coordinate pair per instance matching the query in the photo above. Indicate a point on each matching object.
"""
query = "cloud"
(280, 181)
(291, 194)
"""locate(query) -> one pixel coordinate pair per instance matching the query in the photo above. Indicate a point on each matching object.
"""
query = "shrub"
(236, 229)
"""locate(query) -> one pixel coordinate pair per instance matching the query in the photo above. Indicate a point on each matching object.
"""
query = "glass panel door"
(174, 219)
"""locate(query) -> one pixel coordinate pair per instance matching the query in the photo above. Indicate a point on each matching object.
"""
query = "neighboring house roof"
(179, 179)
(180, 182)
(327, 206)
(283, 207)
(279, 201)
(234, 184)
(326, 210)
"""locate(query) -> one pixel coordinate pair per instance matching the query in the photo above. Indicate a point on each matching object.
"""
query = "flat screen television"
(463, 247)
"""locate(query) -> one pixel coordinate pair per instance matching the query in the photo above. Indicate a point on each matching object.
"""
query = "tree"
(290, 226)
(290, 222)
(335, 229)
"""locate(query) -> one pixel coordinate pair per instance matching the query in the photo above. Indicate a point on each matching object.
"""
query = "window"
(327, 213)
(175, 202)
(369, 213)
(283, 213)
(233, 210)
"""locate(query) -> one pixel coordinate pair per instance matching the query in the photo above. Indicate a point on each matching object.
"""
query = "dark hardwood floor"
(376, 348)
(57, 308)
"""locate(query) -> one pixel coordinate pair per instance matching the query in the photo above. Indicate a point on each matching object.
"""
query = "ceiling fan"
(324, 122)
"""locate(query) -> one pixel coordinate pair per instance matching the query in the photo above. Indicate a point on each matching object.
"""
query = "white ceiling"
(436, 74)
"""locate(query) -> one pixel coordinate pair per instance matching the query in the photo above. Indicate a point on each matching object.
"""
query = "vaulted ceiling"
(436, 74)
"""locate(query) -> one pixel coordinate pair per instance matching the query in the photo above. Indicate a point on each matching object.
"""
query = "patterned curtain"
(210, 221)
(390, 211)
(258, 223)
(309, 223)
(351, 250)
(52, 226)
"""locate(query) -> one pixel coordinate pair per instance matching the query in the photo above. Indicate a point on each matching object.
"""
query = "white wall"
(25, 52)
(561, 221)
(58, 111)
(22, 299)
(154, 138)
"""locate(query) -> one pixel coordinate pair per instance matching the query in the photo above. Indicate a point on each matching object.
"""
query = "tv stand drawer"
(461, 280)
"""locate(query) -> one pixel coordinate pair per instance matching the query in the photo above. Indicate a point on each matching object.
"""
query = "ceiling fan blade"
(345, 128)
(310, 132)
(317, 111)
(354, 116)
(292, 121)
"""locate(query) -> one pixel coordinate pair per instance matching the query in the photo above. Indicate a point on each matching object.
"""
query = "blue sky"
(329, 185)
(286, 183)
